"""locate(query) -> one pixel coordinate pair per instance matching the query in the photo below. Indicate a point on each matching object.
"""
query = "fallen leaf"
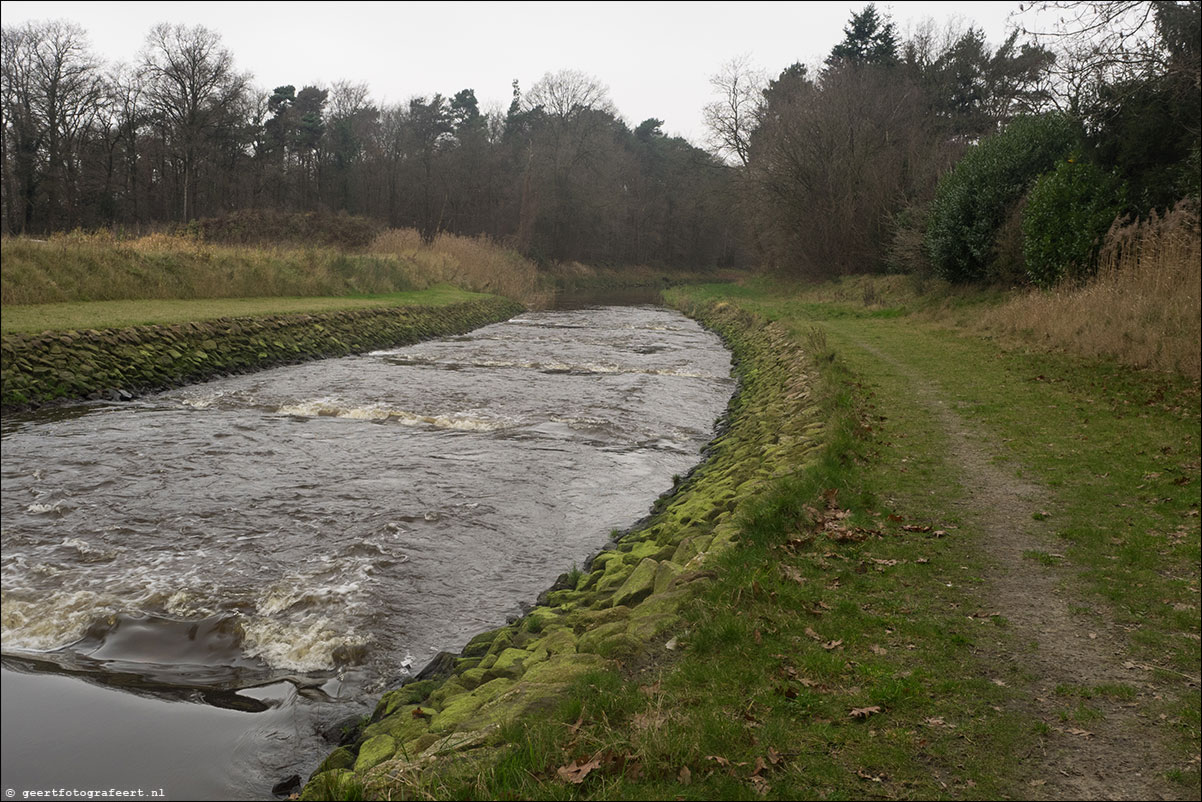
(685, 775)
(648, 721)
(721, 761)
(1080, 732)
(576, 771)
(650, 690)
(760, 765)
(830, 645)
(864, 712)
(572, 729)
(760, 785)
(877, 649)
(813, 634)
(791, 573)
(774, 757)
(876, 778)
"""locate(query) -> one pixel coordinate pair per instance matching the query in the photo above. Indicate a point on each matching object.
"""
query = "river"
(195, 584)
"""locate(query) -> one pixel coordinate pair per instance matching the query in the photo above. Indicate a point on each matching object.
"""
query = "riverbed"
(196, 584)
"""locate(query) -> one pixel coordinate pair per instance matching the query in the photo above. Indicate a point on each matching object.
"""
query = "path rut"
(1115, 756)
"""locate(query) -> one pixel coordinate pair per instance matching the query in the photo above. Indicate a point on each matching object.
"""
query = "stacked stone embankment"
(628, 601)
(119, 363)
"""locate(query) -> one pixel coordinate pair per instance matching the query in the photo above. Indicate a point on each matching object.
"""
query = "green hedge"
(1068, 213)
(973, 200)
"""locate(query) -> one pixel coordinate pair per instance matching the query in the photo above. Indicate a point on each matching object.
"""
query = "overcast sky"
(655, 58)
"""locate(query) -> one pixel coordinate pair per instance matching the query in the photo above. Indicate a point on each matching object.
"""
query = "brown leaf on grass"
(938, 722)
(760, 765)
(774, 757)
(1078, 731)
(864, 712)
(685, 775)
(758, 637)
(576, 771)
(648, 721)
(575, 727)
(922, 561)
(812, 634)
(760, 785)
(650, 690)
(876, 778)
(916, 528)
(888, 563)
(878, 650)
(830, 496)
(832, 644)
(896, 518)
(721, 761)
(791, 573)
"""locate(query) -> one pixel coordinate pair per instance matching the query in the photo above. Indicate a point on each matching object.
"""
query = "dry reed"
(473, 263)
(1143, 308)
(81, 266)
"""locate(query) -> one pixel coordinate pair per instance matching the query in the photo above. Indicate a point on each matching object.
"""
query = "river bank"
(116, 364)
(875, 609)
(625, 609)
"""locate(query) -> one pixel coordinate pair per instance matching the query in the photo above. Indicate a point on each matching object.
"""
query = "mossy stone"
(638, 586)
(375, 751)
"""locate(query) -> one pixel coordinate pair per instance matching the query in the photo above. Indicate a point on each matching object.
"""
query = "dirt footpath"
(1117, 755)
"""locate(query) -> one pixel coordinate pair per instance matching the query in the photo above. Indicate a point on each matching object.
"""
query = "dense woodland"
(934, 152)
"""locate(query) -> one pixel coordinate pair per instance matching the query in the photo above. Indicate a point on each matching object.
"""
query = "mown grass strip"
(119, 314)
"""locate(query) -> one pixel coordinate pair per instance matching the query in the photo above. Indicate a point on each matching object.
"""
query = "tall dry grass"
(97, 266)
(473, 263)
(1143, 308)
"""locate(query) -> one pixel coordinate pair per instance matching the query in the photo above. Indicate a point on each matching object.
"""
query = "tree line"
(939, 154)
(934, 152)
(182, 134)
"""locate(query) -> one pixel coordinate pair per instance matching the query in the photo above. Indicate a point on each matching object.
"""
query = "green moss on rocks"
(118, 363)
(633, 594)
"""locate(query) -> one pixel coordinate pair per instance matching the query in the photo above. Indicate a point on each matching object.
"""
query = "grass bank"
(117, 362)
(81, 267)
(861, 634)
(120, 314)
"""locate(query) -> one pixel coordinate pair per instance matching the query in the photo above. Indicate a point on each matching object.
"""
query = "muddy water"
(195, 584)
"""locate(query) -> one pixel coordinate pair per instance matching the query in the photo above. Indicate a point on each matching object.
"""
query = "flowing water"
(196, 583)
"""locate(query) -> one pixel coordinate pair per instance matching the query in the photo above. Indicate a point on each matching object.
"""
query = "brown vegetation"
(100, 267)
(1143, 308)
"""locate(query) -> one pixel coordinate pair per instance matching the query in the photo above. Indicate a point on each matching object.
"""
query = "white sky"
(655, 57)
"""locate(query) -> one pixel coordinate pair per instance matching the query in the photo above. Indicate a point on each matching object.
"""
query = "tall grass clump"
(1143, 307)
(473, 263)
(81, 266)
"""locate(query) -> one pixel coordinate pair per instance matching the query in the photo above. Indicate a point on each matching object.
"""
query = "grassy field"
(116, 314)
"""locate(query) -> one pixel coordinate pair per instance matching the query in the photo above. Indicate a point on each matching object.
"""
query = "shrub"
(272, 227)
(974, 199)
(1068, 213)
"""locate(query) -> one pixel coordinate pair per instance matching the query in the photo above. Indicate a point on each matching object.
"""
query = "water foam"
(376, 412)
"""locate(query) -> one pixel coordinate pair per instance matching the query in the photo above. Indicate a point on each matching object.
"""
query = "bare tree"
(191, 85)
(52, 90)
(733, 117)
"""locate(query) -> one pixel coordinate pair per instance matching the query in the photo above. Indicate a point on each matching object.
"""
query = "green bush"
(974, 199)
(1068, 213)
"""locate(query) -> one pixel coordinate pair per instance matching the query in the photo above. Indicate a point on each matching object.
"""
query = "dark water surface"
(196, 583)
